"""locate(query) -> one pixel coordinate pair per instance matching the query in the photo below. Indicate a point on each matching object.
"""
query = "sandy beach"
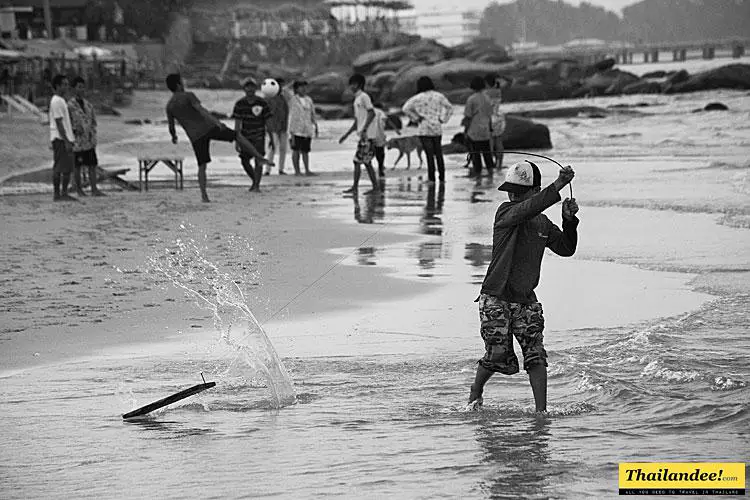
(369, 302)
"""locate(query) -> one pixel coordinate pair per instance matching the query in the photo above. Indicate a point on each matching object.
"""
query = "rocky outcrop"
(423, 51)
(328, 88)
(608, 82)
(519, 134)
(447, 75)
(643, 87)
(732, 76)
(713, 106)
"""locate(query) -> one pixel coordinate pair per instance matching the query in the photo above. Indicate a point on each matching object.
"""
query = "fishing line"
(570, 184)
(375, 233)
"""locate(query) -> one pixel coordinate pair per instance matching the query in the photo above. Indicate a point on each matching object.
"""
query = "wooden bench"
(146, 163)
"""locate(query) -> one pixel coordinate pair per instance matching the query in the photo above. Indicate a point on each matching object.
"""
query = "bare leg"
(295, 161)
(481, 378)
(248, 167)
(306, 161)
(373, 176)
(258, 174)
(282, 145)
(538, 381)
(78, 181)
(202, 182)
(248, 148)
(357, 174)
(92, 180)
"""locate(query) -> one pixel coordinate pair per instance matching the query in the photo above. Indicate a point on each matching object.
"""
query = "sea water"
(647, 355)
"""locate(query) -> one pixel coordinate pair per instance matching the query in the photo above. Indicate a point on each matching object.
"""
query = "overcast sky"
(449, 5)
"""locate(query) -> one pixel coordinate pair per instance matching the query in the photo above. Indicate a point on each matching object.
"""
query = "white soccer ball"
(270, 88)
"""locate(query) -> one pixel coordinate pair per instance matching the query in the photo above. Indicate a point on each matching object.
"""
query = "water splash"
(254, 361)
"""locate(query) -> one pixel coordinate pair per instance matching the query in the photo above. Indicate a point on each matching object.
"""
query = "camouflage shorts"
(501, 321)
(365, 151)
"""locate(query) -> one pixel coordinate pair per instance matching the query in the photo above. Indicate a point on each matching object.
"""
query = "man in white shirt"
(364, 114)
(61, 136)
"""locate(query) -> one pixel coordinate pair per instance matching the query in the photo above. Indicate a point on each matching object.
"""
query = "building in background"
(80, 20)
(449, 28)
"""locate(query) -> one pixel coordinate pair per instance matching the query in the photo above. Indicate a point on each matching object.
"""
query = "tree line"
(549, 22)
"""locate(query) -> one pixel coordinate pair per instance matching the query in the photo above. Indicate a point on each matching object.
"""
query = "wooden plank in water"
(169, 400)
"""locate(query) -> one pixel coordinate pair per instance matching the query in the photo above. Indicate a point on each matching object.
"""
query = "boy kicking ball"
(201, 127)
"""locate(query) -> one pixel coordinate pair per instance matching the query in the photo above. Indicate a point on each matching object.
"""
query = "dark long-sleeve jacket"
(520, 235)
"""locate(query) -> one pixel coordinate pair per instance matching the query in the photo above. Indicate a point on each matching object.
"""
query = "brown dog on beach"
(405, 146)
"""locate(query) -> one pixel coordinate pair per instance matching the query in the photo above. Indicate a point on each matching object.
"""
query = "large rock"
(425, 51)
(447, 75)
(643, 87)
(732, 76)
(480, 50)
(519, 134)
(606, 82)
(328, 88)
(549, 71)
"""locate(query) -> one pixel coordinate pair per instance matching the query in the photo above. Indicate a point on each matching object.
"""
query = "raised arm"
(410, 108)
(172, 130)
(522, 211)
(447, 110)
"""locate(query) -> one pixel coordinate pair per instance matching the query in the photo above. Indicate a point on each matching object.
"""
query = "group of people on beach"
(508, 307)
(287, 116)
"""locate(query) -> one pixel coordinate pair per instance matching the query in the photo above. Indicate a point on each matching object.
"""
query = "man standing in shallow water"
(507, 304)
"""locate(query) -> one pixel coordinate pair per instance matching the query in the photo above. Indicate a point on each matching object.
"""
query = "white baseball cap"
(521, 177)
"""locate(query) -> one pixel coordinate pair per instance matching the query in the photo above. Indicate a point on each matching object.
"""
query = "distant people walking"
(364, 114)
(430, 109)
(302, 126)
(83, 119)
(497, 121)
(251, 115)
(61, 136)
(477, 126)
(277, 125)
(201, 127)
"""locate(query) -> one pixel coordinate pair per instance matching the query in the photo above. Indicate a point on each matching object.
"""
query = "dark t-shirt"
(253, 112)
(184, 107)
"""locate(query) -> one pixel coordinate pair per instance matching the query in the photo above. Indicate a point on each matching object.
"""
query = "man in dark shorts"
(251, 114)
(83, 118)
(507, 305)
(201, 127)
(61, 137)
(302, 126)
